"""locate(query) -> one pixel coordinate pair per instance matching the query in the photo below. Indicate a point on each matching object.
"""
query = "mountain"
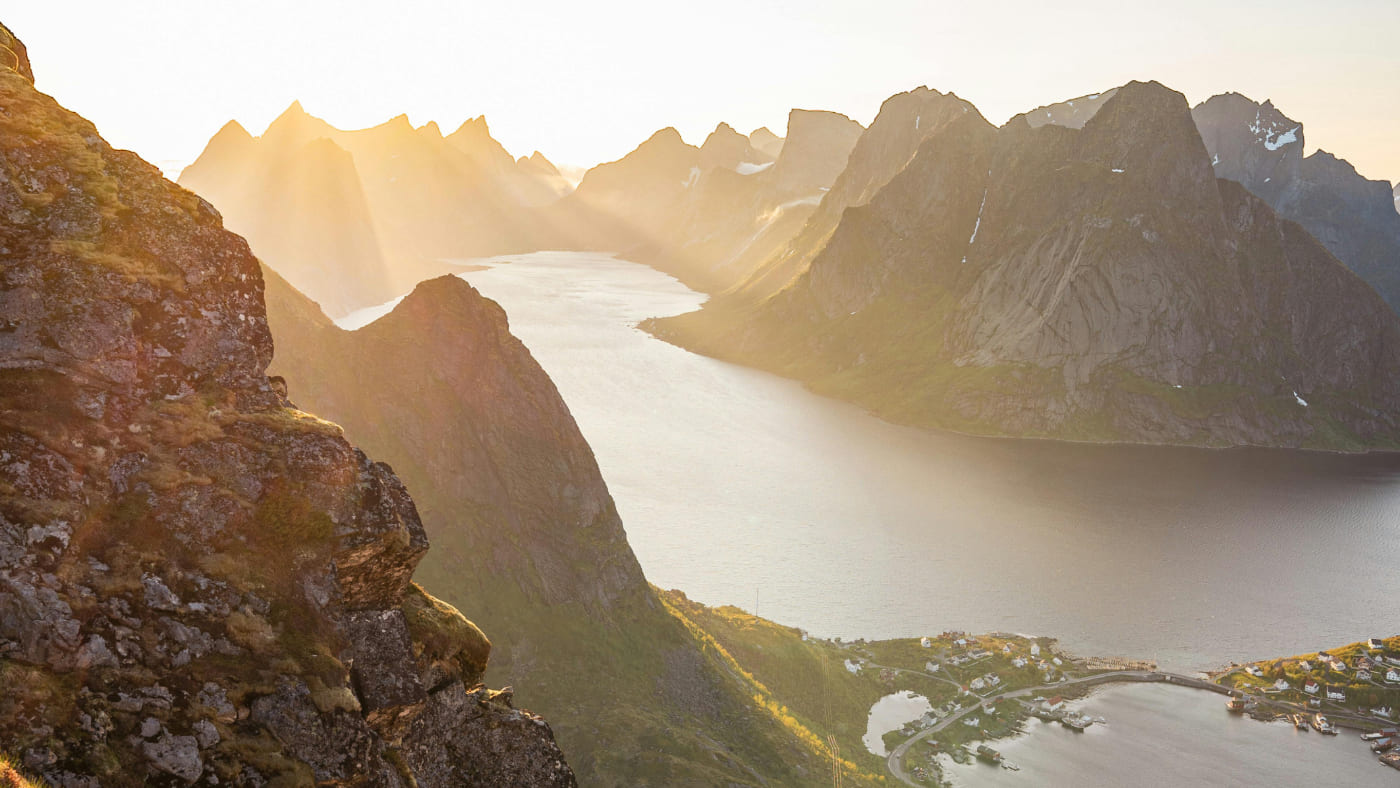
(199, 583)
(766, 141)
(1089, 284)
(1355, 218)
(904, 121)
(1396, 192)
(302, 208)
(526, 535)
(354, 218)
(705, 215)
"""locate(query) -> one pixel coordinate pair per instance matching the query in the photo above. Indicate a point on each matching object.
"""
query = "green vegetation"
(12, 777)
(444, 634)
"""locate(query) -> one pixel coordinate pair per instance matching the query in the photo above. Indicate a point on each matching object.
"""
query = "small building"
(1315, 703)
(925, 642)
(1254, 671)
(1057, 661)
(1281, 685)
(1305, 666)
(1006, 648)
(1053, 704)
(1035, 649)
(1375, 644)
(1311, 687)
(977, 684)
(931, 666)
(1019, 662)
(1364, 663)
(1363, 675)
(1392, 675)
(1336, 693)
(992, 679)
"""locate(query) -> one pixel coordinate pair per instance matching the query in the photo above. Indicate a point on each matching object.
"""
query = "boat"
(1235, 705)
(1373, 735)
(1392, 760)
(1323, 725)
(987, 754)
(1300, 722)
(1383, 745)
(1076, 722)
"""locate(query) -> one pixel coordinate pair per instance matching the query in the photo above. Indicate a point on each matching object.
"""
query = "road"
(895, 760)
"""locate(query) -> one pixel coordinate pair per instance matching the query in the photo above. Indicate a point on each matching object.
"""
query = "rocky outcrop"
(199, 583)
(1092, 284)
(507, 485)
(1355, 218)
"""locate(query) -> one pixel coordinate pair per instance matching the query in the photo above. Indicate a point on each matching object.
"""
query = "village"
(1355, 687)
(984, 688)
(981, 688)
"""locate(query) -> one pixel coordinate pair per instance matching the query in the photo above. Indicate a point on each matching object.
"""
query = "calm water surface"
(1159, 735)
(743, 488)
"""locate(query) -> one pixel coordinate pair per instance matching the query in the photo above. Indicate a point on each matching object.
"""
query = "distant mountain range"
(354, 218)
(824, 250)
(1078, 273)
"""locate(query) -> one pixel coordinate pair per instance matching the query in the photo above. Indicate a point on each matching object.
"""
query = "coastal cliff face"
(1094, 284)
(1355, 218)
(507, 485)
(199, 584)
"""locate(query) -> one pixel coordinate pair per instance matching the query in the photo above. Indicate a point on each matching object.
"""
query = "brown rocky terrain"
(199, 583)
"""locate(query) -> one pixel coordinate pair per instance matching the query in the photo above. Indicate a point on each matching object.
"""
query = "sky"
(585, 82)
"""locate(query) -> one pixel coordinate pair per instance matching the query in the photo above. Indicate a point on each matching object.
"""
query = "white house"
(1363, 675)
(993, 679)
(1056, 660)
(972, 722)
(1336, 693)
(1019, 662)
(977, 684)
(1254, 671)
(1375, 644)
(1281, 685)
(1305, 666)
(1392, 675)
(1054, 704)
(926, 643)
(1311, 687)
(1035, 649)
(931, 666)
(1006, 648)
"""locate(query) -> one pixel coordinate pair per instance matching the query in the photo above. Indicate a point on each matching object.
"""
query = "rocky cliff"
(1097, 283)
(199, 583)
(1258, 146)
(507, 485)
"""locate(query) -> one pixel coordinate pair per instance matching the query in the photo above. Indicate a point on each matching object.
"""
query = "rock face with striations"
(1098, 284)
(1355, 218)
(199, 584)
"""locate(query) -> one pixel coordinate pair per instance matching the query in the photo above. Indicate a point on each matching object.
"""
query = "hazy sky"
(586, 81)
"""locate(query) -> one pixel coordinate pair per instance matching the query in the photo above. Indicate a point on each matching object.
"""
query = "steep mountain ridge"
(199, 583)
(1260, 147)
(1095, 284)
(507, 484)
